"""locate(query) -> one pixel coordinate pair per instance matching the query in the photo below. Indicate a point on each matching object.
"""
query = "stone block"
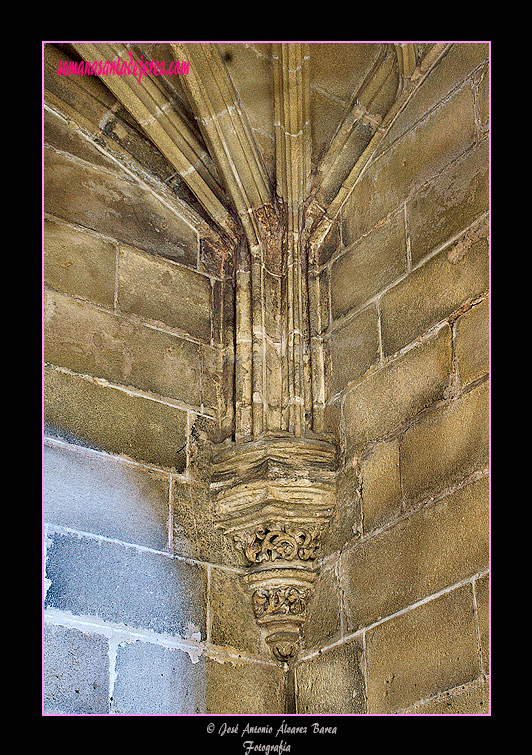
(85, 95)
(108, 419)
(325, 114)
(381, 485)
(91, 492)
(472, 343)
(436, 547)
(90, 341)
(88, 101)
(354, 348)
(324, 609)
(449, 203)
(252, 70)
(233, 623)
(457, 65)
(330, 244)
(368, 266)
(446, 283)
(482, 594)
(79, 263)
(332, 682)
(75, 672)
(125, 585)
(446, 446)
(346, 519)
(394, 394)
(444, 134)
(421, 653)
(157, 290)
(355, 60)
(194, 533)
(63, 136)
(122, 209)
(156, 680)
(235, 687)
(469, 702)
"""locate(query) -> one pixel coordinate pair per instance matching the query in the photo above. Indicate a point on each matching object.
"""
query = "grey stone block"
(157, 680)
(94, 493)
(75, 672)
(125, 585)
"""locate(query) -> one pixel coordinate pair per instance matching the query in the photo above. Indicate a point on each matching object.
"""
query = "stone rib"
(224, 125)
(148, 104)
(231, 142)
(373, 99)
(330, 211)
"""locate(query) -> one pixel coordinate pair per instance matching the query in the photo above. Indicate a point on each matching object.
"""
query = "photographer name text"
(250, 746)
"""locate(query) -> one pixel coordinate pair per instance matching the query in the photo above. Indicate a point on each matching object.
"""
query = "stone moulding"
(274, 498)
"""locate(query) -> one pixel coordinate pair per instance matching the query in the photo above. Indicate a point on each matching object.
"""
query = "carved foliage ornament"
(270, 542)
(288, 600)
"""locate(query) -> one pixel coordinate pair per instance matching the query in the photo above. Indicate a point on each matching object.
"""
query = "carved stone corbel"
(274, 498)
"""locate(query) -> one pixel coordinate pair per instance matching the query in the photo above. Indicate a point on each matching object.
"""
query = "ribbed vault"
(262, 124)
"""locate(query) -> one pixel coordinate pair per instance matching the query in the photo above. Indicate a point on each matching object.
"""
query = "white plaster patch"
(121, 634)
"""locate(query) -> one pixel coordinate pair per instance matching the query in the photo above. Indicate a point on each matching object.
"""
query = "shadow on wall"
(124, 620)
(96, 493)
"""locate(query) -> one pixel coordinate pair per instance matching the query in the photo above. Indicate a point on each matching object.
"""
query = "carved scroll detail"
(270, 542)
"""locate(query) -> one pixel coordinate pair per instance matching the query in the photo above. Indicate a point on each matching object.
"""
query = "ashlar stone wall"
(399, 621)
(145, 610)
(142, 613)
